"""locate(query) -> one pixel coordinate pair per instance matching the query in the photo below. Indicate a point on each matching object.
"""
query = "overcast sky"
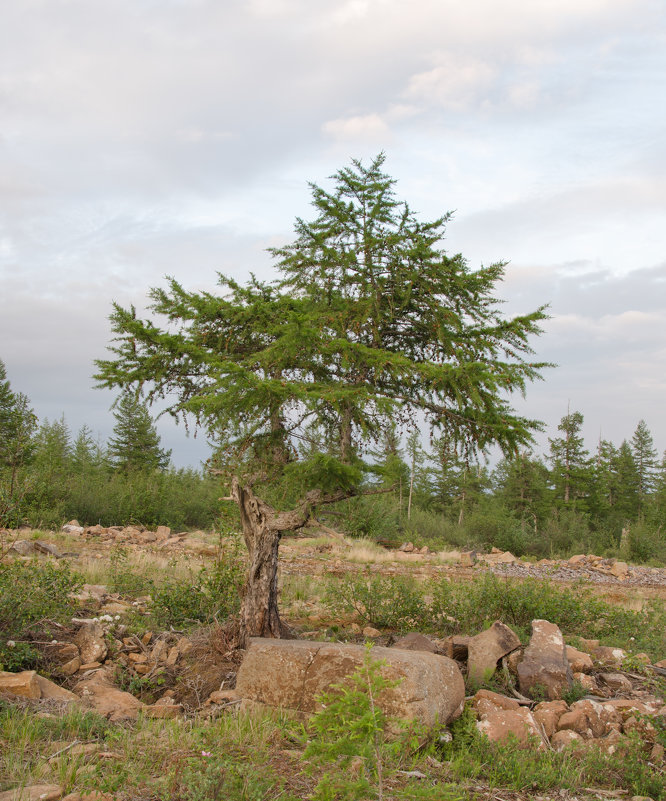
(140, 138)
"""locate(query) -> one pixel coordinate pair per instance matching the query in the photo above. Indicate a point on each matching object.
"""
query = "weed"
(385, 602)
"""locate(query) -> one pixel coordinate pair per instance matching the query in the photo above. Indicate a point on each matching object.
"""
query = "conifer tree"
(372, 324)
(645, 459)
(569, 458)
(136, 444)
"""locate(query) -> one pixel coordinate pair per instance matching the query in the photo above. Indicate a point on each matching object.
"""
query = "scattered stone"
(499, 558)
(588, 683)
(407, 547)
(661, 663)
(50, 689)
(485, 649)
(579, 661)
(72, 527)
(485, 701)
(456, 647)
(89, 666)
(415, 642)
(36, 792)
(468, 558)
(48, 549)
(163, 710)
(23, 548)
(616, 681)
(222, 697)
(23, 684)
(544, 664)
(589, 718)
(71, 667)
(290, 674)
(371, 633)
(500, 717)
(619, 570)
(163, 532)
(577, 559)
(513, 659)
(91, 642)
(658, 752)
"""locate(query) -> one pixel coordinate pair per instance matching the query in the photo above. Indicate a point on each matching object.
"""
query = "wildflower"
(206, 754)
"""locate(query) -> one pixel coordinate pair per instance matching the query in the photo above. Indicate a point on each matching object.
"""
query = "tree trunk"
(259, 615)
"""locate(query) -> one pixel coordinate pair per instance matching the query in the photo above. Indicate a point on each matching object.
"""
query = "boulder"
(371, 632)
(616, 681)
(545, 663)
(415, 642)
(50, 689)
(619, 570)
(91, 642)
(565, 739)
(590, 719)
(485, 649)
(24, 684)
(163, 532)
(501, 717)
(609, 656)
(468, 558)
(23, 548)
(290, 674)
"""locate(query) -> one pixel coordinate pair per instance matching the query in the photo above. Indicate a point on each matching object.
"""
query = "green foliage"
(383, 601)
(211, 593)
(136, 444)
(350, 725)
(33, 597)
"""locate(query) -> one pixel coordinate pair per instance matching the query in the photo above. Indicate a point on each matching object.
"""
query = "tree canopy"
(370, 323)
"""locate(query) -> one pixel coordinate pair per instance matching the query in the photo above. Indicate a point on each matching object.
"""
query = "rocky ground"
(560, 697)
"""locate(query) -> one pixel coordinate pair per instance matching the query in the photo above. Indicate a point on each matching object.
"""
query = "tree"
(570, 459)
(371, 324)
(17, 426)
(645, 459)
(136, 444)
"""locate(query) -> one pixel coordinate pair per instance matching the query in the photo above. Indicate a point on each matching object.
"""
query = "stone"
(588, 645)
(589, 718)
(108, 700)
(407, 547)
(23, 547)
(657, 753)
(415, 642)
(579, 661)
(455, 646)
(163, 532)
(48, 549)
(609, 656)
(485, 649)
(486, 701)
(371, 633)
(222, 697)
(91, 642)
(70, 668)
(163, 710)
(23, 684)
(616, 681)
(565, 739)
(513, 659)
(548, 714)
(588, 683)
(642, 727)
(499, 558)
(661, 663)
(577, 559)
(50, 689)
(72, 528)
(65, 652)
(468, 558)
(499, 724)
(619, 570)
(290, 674)
(544, 663)
(35, 792)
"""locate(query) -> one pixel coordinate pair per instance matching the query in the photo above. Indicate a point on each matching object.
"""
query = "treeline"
(610, 500)
(49, 476)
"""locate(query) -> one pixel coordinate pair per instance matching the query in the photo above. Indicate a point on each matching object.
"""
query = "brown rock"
(108, 700)
(658, 753)
(485, 649)
(619, 570)
(371, 633)
(586, 682)
(70, 668)
(456, 646)
(616, 681)
(163, 532)
(498, 724)
(23, 684)
(588, 645)
(415, 642)
(641, 726)
(564, 739)
(494, 558)
(548, 714)
(50, 689)
(91, 643)
(160, 651)
(609, 656)
(589, 719)
(222, 697)
(513, 659)
(36, 792)
(545, 662)
(407, 547)
(486, 701)
(468, 558)
(628, 706)
(289, 674)
(579, 661)
(577, 559)
(661, 663)
(89, 666)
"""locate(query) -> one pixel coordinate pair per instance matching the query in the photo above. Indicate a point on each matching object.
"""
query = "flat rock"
(485, 649)
(23, 684)
(36, 792)
(545, 663)
(499, 724)
(290, 674)
(609, 656)
(49, 689)
(616, 681)
(415, 642)
(579, 661)
(108, 700)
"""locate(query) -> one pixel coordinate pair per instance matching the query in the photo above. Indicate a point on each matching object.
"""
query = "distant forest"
(607, 499)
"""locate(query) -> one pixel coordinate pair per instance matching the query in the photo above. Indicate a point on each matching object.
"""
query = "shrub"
(33, 597)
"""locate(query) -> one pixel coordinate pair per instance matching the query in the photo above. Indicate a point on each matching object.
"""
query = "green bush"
(33, 597)
(383, 601)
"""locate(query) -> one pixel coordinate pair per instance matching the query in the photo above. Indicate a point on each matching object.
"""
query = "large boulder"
(91, 642)
(107, 700)
(24, 684)
(485, 649)
(501, 718)
(290, 674)
(545, 666)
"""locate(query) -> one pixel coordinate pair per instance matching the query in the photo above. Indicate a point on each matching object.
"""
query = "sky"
(146, 138)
